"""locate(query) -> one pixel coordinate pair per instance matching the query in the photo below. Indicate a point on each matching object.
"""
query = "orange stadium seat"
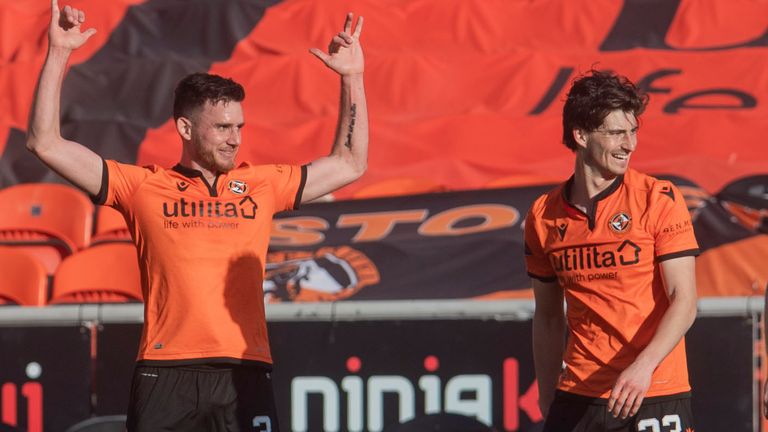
(50, 221)
(110, 227)
(107, 273)
(399, 186)
(23, 280)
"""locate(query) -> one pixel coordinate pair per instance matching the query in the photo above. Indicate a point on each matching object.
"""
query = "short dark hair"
(194, 90)
(593, 96)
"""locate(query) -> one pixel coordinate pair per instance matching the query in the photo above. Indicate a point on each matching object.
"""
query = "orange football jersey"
(202, 254)
(607, 263)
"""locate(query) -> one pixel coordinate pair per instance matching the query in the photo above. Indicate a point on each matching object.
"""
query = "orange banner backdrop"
(462, 96)
(467, 94)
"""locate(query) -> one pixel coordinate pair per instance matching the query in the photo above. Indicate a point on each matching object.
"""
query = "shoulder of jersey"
(636, 179)
(154, 169)
(656, 186)
(263, 169)
(547, 199)
(269, 170)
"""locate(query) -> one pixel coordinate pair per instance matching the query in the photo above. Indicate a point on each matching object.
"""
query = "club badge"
(620, 222)
(238, 187)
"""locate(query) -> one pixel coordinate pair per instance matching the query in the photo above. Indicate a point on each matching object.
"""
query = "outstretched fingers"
(348, 26)
(90, 32)
(55, 11)
(65, 26)
(358, 27)
(344, 54)
(348, 23)
(325, 58)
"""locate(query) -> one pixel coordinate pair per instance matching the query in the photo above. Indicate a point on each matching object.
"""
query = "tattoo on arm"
(351, 127)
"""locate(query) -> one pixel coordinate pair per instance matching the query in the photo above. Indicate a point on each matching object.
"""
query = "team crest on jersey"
(620, 222)
(238, 186)
(327, 274)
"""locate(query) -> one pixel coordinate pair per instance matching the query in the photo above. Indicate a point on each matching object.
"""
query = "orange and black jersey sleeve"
(671, 223)
(119, 181)
(536, 260)
(287, 182)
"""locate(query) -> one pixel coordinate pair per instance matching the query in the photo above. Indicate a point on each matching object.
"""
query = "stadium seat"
(110, 227)
(49, 221)
(397, 187)
(107, 273)
(23, 280)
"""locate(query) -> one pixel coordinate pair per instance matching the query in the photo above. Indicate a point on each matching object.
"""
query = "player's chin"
(225, 165)
(618, 172)
(617, 169)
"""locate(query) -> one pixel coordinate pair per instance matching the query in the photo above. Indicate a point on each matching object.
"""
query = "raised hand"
(64, 31)
(345, 55)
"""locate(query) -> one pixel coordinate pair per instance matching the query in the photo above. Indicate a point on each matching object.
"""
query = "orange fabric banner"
(461, 97)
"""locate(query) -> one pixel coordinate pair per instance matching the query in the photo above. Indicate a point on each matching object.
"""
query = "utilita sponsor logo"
(595, 257)
(246, 208)
(470, 395)
(31, 392)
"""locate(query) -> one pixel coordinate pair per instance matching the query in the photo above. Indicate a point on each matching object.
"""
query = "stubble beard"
(209, 162)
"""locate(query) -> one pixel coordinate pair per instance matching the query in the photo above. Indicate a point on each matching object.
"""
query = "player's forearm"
(351, 142)
(548, 337)
(672, 327)
(43, 129)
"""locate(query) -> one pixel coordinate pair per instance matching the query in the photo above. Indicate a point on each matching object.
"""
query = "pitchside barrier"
(363, 366)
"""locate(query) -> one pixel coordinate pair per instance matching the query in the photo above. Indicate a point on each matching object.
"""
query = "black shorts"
(571, 412)
(202, 398)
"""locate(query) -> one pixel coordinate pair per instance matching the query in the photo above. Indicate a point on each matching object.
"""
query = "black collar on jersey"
(192, 173)
(592, 209)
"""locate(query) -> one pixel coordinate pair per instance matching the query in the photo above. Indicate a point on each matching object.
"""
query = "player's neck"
(188, 162)
(588, 182)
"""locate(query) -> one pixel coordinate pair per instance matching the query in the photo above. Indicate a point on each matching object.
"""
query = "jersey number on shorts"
(652, 424)
(262, 421)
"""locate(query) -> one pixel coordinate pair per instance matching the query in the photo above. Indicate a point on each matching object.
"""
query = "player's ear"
(184, 128)
(580, 136)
